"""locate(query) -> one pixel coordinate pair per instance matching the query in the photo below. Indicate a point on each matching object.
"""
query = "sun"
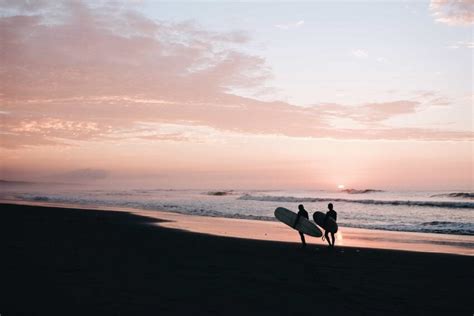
(341, 186)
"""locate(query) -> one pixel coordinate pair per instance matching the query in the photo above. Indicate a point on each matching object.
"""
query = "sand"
(346, 236)
(276, 231)
(71, 261)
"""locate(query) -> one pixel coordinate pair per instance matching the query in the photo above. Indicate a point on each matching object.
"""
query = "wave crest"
(220, 193)
(354, 191)
(293, 199)
(435, 226)
(462, 195)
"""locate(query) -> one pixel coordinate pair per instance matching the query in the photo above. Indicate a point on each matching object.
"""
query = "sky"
(252, 95)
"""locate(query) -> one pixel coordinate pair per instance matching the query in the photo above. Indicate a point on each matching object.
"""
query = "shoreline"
(277, 231)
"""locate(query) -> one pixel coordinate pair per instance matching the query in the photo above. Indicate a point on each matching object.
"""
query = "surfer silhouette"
(301, 213)
(332, 214)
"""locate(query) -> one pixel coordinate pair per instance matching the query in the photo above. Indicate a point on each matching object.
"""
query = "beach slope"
(71, 261)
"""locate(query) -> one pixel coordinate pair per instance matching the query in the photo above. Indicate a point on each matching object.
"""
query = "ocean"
(449, 212)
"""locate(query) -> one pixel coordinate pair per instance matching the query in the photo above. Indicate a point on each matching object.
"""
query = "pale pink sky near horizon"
(103, 93)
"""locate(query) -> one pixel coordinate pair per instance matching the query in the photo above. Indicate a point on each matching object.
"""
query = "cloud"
(120, 120)
(360, 53)
(80, 175)
(453, 12)
(289, 26)
(462, 44)
(73, 73)
(424, 93)
(370, 112)
(160, 137)
(433, 99)
(88, 52)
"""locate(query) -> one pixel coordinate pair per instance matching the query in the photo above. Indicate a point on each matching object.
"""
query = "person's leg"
(303, 241)
(326, 235)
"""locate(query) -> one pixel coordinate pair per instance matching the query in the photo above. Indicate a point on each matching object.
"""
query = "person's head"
(330, 207)
(301, 207)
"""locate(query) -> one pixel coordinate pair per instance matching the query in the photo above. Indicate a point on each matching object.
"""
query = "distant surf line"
(294, 199)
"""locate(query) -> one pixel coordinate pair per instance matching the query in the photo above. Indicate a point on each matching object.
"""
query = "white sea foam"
(406, 211)
(293, 199)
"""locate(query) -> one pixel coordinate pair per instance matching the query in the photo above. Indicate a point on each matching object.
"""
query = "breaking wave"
(220, 193)
(462, 195)
(447, 227)
(293, 199)
(433, 221)
(354, 191)
(41, 198)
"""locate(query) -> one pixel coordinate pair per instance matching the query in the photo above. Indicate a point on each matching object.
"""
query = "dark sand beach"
(58, 261)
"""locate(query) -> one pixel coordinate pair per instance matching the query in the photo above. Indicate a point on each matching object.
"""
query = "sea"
(446, 212)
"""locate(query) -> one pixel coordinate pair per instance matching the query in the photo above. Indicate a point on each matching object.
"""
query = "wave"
(450, 228)
(444, 227)
(354, 191)
(151, 206)
(437, 223)
(41, 198)
(293, 199)
(462, 195)
(220, 193)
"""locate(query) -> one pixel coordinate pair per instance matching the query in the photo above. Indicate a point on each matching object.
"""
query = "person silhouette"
(301, 213)
(330, 214)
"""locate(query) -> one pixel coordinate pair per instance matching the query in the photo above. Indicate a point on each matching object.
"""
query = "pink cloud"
(87, 73)
(453, 12)
(90, 53)
(166, 136)
(370, 112)
(115, 117)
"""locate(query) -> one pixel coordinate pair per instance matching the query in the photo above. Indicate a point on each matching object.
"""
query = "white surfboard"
(303, 225)
(329, 224)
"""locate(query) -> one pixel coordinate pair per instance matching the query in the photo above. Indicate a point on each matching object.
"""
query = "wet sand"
(71, 261)
(277, 231)
(346, 236)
